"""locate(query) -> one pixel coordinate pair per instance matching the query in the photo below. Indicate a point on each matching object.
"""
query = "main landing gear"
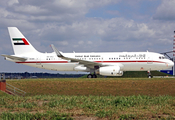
(91, 76)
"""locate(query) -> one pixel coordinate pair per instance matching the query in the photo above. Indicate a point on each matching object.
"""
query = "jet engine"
(81, 68)
(110, 71)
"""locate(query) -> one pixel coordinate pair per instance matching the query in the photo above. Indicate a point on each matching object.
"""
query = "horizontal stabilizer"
(15, 58)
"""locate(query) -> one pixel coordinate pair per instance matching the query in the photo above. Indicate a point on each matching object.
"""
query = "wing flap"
(15, 58)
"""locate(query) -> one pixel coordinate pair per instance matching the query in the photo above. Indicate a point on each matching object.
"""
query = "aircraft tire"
(94, 76)
(89, 76)
(149, 76)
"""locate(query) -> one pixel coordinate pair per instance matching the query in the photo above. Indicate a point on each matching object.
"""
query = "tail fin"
(20, 44)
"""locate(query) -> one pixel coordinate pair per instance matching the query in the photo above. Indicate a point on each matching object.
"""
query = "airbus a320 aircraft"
(104, 63)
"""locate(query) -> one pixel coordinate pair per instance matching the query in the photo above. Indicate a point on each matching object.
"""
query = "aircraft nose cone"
(171, 63)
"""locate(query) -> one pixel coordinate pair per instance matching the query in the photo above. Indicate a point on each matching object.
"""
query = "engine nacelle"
(110, 71)
(81, 68)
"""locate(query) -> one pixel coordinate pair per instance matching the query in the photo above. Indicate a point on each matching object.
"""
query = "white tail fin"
(20, 44)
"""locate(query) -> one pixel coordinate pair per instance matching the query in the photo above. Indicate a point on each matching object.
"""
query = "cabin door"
(149, 60)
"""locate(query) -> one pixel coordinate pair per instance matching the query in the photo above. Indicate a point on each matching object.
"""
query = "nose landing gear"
(149, 74)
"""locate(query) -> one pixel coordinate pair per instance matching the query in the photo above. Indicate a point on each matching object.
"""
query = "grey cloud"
(29, 9)
(55, 10)
(12, 2)
(109, 30)
(166, 11)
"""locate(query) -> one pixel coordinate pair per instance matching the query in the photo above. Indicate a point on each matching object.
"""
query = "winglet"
(56, 51)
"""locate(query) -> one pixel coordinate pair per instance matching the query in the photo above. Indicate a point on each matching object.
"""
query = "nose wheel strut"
(149, 74)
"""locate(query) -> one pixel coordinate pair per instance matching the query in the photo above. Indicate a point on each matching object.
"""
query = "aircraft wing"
(15, 58)
(89, 64)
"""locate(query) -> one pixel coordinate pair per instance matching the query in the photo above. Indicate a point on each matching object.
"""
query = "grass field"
(107, 98)
(99, 86)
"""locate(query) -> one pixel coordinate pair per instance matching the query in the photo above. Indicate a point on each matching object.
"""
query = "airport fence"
(15, 91)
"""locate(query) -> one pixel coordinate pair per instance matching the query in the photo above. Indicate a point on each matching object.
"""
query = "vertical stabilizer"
(20, 44)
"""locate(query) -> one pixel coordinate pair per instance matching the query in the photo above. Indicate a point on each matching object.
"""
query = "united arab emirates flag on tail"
(20, 41)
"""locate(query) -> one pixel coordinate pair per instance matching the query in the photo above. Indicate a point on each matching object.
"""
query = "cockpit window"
(162, 57)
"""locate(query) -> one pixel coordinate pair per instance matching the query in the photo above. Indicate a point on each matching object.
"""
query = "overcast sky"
(87, 26)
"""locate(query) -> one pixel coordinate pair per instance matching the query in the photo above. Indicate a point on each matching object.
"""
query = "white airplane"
(104, 63)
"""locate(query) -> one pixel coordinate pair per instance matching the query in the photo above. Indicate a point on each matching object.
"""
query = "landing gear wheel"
(149, 76)
(89, 76)
(94, 76)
